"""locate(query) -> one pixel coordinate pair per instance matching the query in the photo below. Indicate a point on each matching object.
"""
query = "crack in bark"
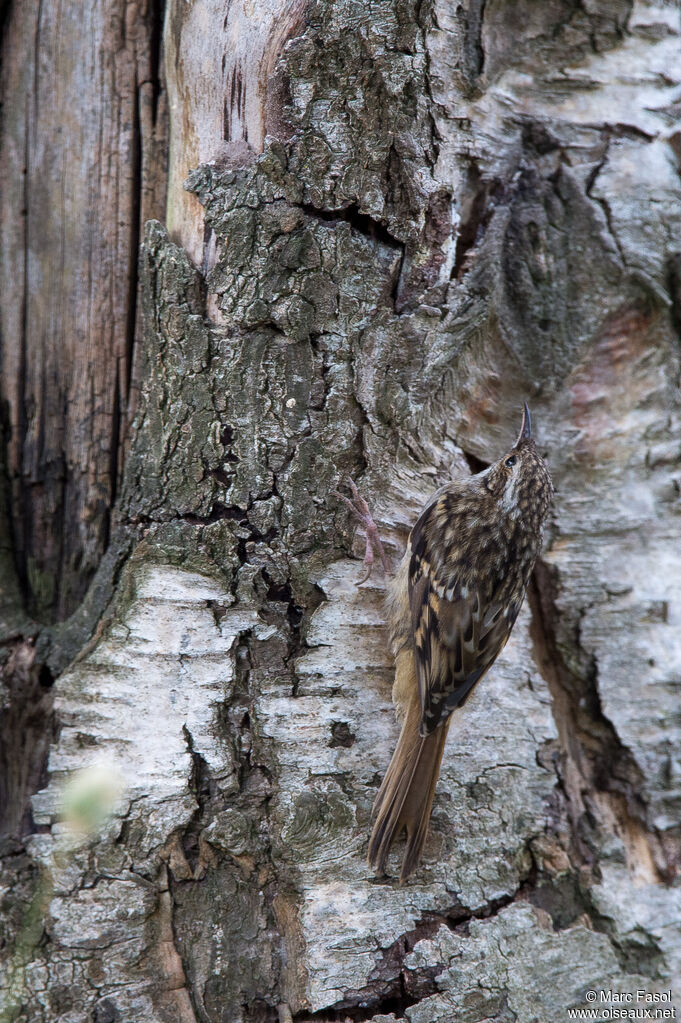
(120, 422)
(370, 228)
(476, 214)
(360, 222)
(175, 996)
(193, 856)
(674, 289)
(602, 201)
(603, 786)
(476, 51)
(18, 522)
(28, 725)
(394, 988)
(158, 10)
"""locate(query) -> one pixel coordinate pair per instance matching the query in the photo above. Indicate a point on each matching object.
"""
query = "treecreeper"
(451, 607)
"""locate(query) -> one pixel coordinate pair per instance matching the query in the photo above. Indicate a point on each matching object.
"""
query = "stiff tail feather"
(405, 798)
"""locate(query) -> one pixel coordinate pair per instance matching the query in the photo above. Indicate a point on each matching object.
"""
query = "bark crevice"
(603, 785)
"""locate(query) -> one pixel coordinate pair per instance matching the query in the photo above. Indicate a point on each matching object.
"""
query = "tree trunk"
(387, 226)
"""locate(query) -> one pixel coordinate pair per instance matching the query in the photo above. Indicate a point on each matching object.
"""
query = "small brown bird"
(452, 605)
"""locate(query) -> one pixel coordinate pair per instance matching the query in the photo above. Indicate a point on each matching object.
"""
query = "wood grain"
(82, 132)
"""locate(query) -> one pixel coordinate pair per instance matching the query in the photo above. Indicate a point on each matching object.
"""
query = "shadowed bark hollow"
(381, 230)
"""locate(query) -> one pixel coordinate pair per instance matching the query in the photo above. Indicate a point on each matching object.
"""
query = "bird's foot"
(360, 509)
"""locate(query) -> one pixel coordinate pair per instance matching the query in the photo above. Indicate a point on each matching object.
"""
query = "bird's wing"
(458, 628)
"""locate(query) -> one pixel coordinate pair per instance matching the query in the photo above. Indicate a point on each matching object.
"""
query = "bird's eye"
(511, 461)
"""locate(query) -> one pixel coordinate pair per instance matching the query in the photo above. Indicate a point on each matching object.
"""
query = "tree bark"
(387, 226)
(82, 165)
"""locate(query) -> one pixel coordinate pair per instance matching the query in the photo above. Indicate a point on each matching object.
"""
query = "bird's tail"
(405, 798)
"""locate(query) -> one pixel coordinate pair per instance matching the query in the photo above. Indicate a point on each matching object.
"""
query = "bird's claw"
(360, 509)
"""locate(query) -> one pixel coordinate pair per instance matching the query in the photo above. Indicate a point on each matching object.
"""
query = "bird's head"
(520, 480)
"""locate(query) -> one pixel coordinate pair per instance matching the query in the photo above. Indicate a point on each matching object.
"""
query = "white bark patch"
(490, 779)
(140, 703)
(162, 669)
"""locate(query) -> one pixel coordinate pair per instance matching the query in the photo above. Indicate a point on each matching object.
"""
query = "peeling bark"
(387, 229)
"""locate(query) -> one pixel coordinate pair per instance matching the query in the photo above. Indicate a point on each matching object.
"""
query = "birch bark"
(387, 226)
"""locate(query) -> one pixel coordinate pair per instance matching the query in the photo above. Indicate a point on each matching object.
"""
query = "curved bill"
(525, 426)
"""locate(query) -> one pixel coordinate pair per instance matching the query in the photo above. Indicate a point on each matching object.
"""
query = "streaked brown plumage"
(452, 606)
